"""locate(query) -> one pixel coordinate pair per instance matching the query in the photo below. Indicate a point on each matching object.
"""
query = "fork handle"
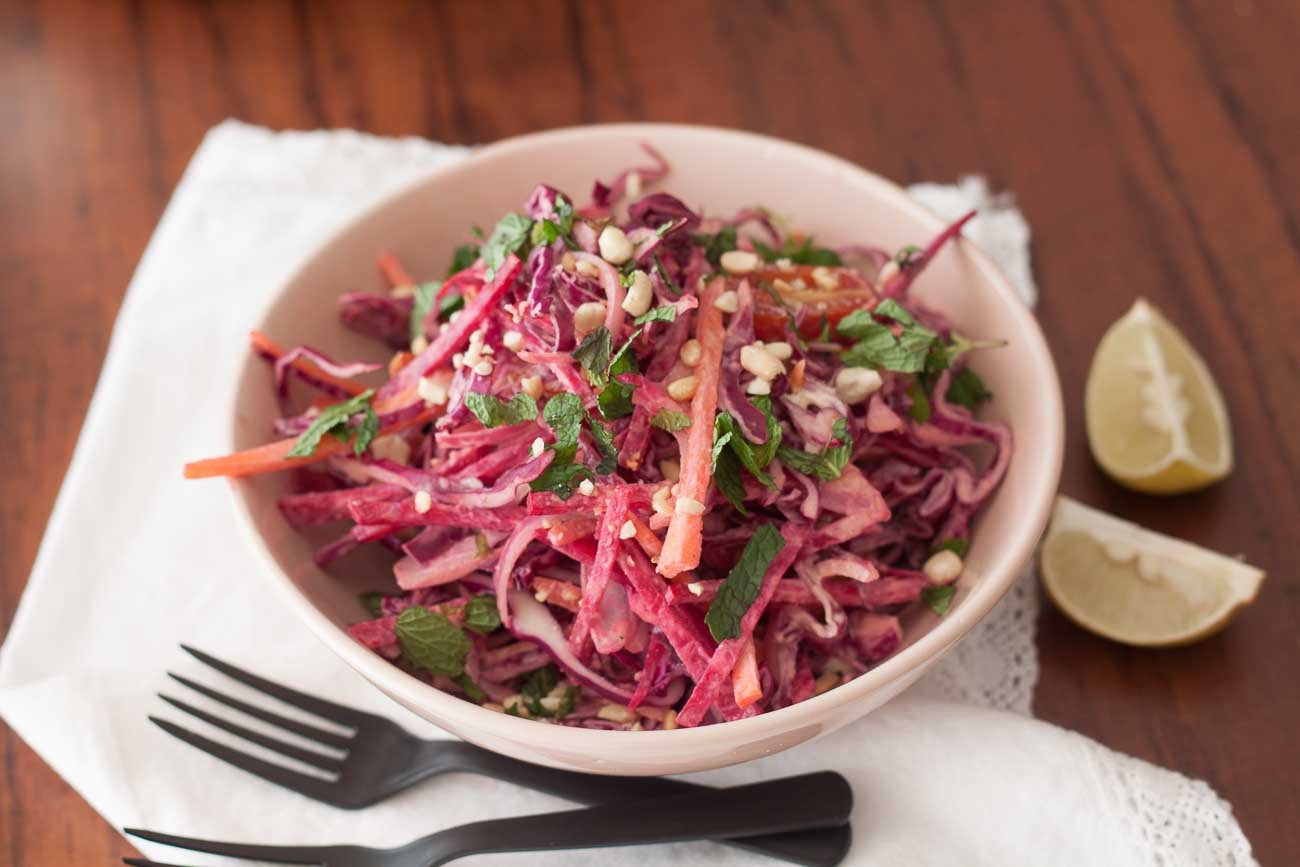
(808, 801)
(822, 847)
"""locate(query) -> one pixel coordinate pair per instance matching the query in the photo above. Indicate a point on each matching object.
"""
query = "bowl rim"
(1001, 572)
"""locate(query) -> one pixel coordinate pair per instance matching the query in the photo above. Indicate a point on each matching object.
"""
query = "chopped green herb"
(671, 420)
(754, 458)
(742, 584)
(334, 420)
(494, 412)
(920, 409)
(470, 688)
(538, 694)
(666, 313)
(465, 255)
(878, 347)
(373, 602)
(510, 236)
(562, 479)
(432, 642)
(726, 475)
(668, 281)
(715, 245)
(957, 546)
(967, 389)
(827, 464)
(798, 254)
(564, 414)
(939, 599)
(593, 353)
(481, 615)
(557, 225)
(604, 441)
(907, 256)
(615, 399)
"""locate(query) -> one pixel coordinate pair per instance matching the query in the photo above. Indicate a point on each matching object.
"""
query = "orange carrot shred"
(744, 677)
(398, 361)
(271, 458)
(684, 540)
(393, 271)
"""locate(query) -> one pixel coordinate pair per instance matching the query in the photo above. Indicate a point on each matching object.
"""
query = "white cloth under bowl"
(136, 560)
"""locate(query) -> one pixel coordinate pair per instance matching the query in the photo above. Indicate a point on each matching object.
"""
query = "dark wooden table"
(1154, 146)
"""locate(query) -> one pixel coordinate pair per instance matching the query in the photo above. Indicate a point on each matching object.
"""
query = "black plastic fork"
(381, 758)
(810, 801)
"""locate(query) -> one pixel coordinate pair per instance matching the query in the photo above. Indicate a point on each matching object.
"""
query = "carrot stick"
(744, 677)
(393, 271)
(270, 458)
(265, 346)
(684, 540)
(400, 360)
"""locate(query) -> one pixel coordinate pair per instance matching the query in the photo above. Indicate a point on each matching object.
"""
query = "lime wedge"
(1136, 586)
(1156, 420)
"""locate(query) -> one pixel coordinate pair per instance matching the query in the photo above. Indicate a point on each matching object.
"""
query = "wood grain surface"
(1154, 146)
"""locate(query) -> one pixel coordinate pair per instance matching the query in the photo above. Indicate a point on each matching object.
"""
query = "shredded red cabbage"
(531, 516)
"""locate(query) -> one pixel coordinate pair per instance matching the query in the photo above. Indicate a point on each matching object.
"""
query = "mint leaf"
(666, 313)
(763, 454)
(464, 256)
(878, 347)
(967, 389)
(604, 441)
(537, 696)
(564, 414)
(481, 615)
(373, 602)
(334, 420)
(508, 237)
(668, 281)
(494, 413)
(557, 225)
(754, 458)
(562, 479)
(432, 642)
(722, 434)
(366, 431)
(920, 408)
(715, 245)
(891, 309)
(829, 463)
(470, 688)
(593, 353)
(726, 475)
(907, 256)
(740, 588)
(671, 420)
(615, 399)
(957, 546)
(798, 254)
(939, 599)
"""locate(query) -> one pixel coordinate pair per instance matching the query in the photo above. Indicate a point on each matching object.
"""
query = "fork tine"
(311, 757)
(145, 862)
(277, 854)
(327, 709)
(310, 732)
(303, 784)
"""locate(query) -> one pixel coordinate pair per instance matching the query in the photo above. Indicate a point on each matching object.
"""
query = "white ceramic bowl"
(719, 171)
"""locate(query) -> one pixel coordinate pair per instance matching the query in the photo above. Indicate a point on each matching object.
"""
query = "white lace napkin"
(135, 559)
